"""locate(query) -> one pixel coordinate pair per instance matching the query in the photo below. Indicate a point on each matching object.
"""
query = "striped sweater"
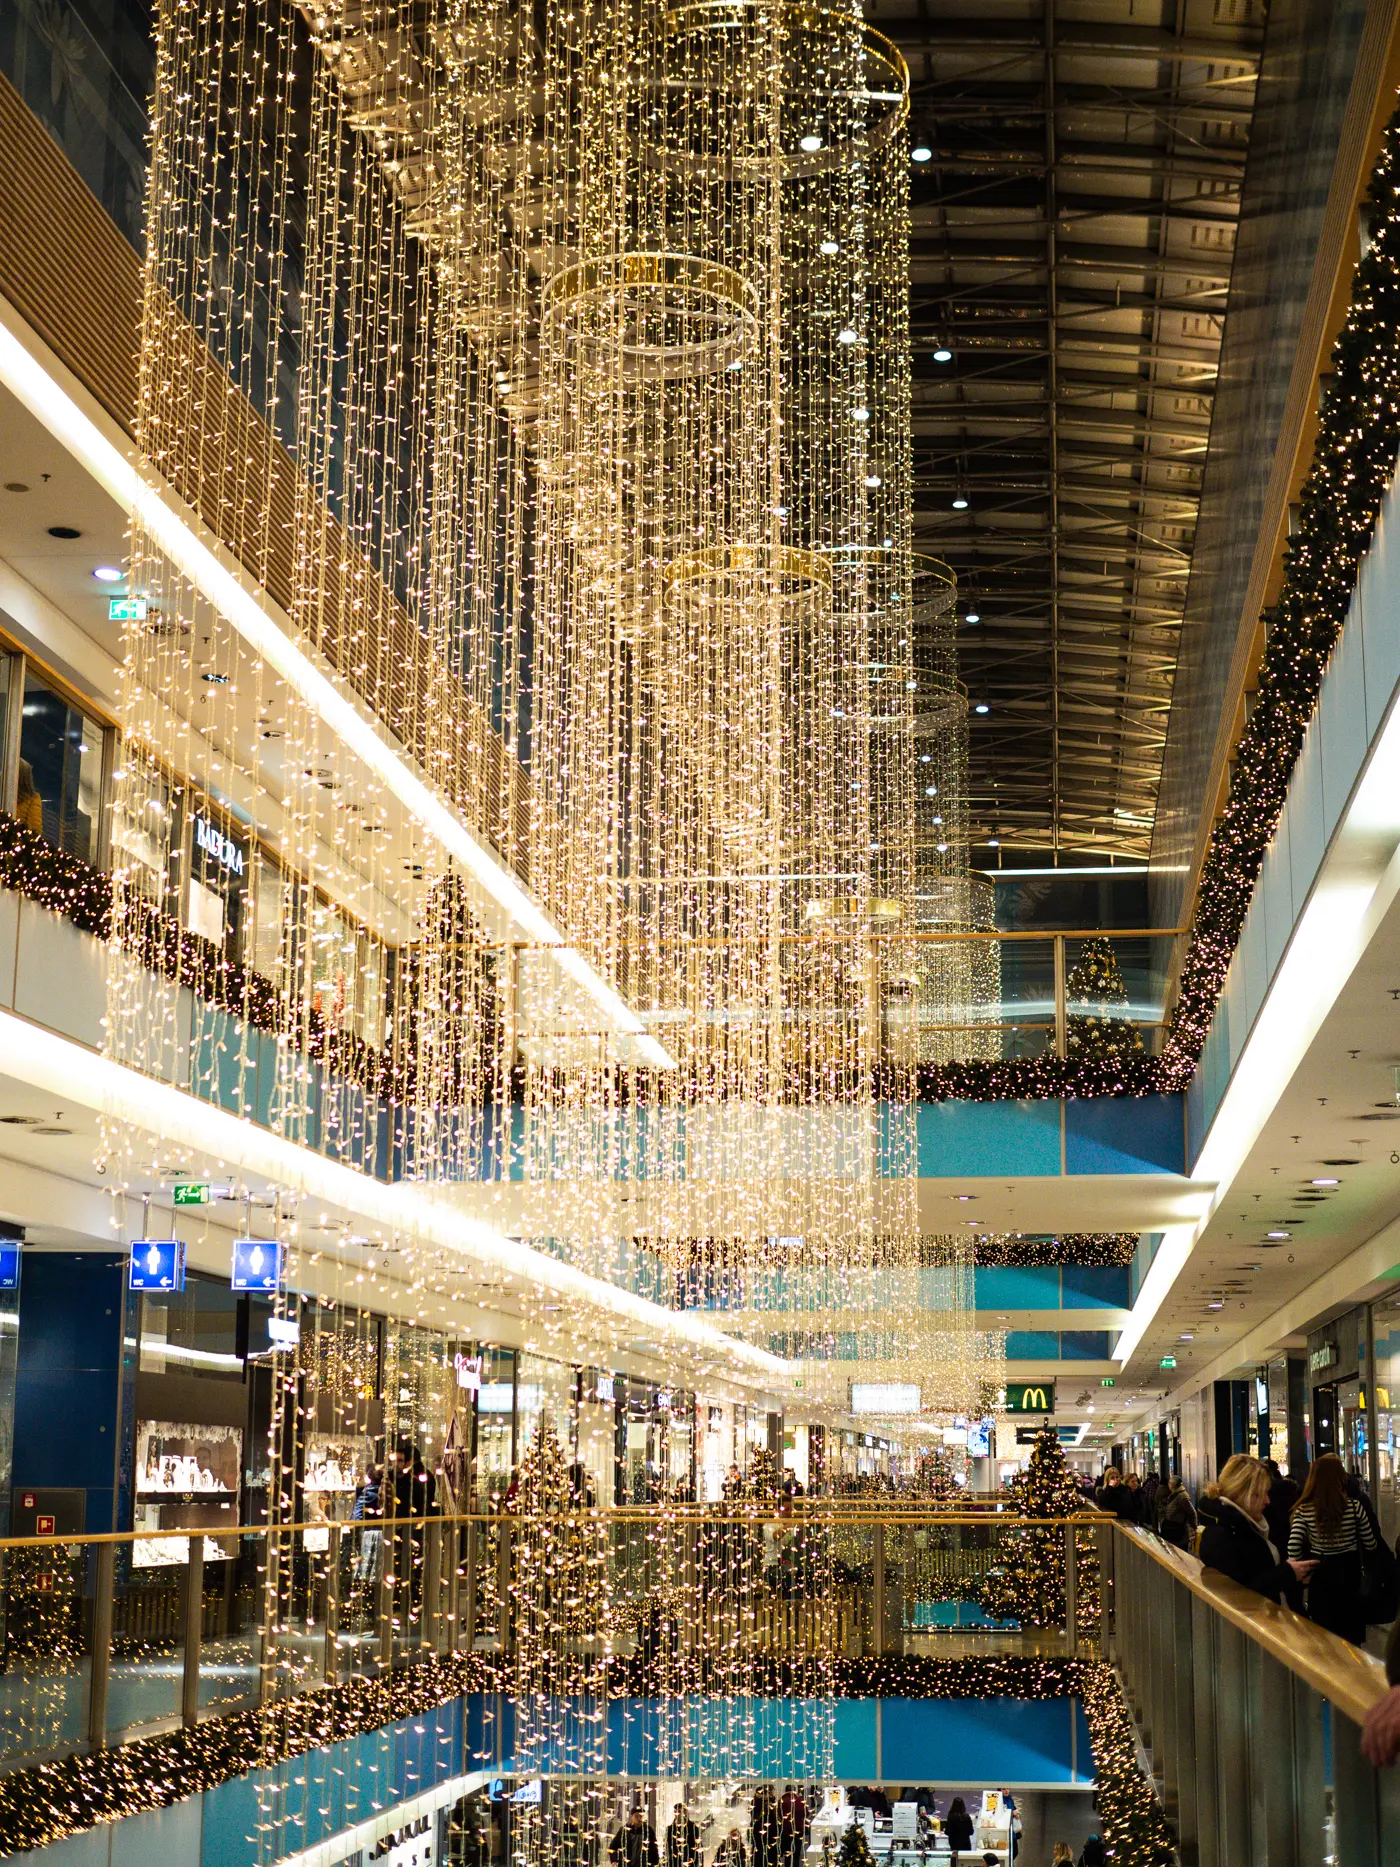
(1308, 1538)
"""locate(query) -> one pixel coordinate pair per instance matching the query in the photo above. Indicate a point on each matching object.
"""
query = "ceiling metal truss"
(1073, 233)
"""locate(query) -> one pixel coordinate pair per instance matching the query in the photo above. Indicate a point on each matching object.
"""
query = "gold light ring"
(876, 45)
(683, 284)
(807, 570)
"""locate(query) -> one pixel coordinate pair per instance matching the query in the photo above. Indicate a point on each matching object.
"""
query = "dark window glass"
(59, 789)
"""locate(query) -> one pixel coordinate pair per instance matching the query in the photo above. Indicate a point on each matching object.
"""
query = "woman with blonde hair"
(1064, 1855)
(1237, 1543)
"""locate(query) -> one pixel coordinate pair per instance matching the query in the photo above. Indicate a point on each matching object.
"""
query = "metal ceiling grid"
(1073, 233)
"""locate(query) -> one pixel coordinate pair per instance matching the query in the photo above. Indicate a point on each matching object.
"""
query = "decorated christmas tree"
(762, 1479)
(1028, 1583)
(855, 1849)
(1098, 1023)
(934, 1478)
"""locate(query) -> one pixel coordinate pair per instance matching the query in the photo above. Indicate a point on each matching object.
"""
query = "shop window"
(218, 882)
(58, 790)
(142, 831)
(1386, 1324)
(347, 974)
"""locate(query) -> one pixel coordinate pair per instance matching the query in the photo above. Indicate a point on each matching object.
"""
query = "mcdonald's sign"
(1030, 1396)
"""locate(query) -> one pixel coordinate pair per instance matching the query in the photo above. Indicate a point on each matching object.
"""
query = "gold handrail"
(761, 1511)
(1351, 1680)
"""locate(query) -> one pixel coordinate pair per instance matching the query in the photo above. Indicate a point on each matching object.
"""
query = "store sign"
(1325, 1357)
(414, 1845)
(605, 1388)
(9, 1264)
(218, 847)
(468, 1372)
(885, 1397)
(1030, 1396)
(191, 1193)
(156, 1264)
(257, 1264)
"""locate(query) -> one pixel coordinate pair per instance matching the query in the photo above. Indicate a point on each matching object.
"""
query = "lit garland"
(1102, 1250)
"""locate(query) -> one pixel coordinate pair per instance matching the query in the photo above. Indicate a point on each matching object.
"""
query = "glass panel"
(59, 788)
(231, 1644)
(142, 835)
(148, 1644)
(46, 1597)
(1386, 1322)
(1114, 991)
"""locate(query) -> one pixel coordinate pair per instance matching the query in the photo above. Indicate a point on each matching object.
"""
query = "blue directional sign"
(156, 1264)
(257, 1264)
(9, 1264)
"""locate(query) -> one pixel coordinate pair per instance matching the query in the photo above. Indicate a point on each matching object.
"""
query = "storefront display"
(187, 1478)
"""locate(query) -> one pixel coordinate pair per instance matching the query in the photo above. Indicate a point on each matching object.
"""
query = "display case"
(187, 1478)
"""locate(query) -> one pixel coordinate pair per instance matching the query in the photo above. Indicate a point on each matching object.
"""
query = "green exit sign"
(191, 1193)
(1107, 1381)
(1167, 1361)
(126, 609)
(1030, 1396)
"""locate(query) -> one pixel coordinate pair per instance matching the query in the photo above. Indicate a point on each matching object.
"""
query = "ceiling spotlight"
(829, 247)
(992, 843)
(847, 336)
(942, 849)
(810, 145)
(960, 502)
(973, 616)
(1278, 1234)
(860, 414)
(981, 707)
(1216, 1305)
(873, 479)
(942, 354)
(108, 573)
(931, 791)
(921, 153)
(1325, 1183)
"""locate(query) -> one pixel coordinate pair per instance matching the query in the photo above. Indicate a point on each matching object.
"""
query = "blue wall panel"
(1125, 1134)
(988, 1138)
(67, 1376)
(1088, 1286)
(1032, 1345)
(998, 1741)
(1017, 1287)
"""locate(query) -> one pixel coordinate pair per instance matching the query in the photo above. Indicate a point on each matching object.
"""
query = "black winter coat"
(1234, 1547)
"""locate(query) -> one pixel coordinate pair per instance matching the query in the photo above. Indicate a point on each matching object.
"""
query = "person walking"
(1178, 1525)
(1278, 1512)
(731, 1852)
(1093, 1854)
(682, 1839)
(1237, 1543)
(1134, 1509)
(1332, 1527)
(635, 1844)
(957, 1826)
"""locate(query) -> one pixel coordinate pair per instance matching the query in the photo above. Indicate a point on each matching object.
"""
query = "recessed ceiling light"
(860, 414)
(848, 336)
(974, 616)
(1326, 1183)
(215, 680)
(1216, 1305)
(1278, 1234)
(873, 479)
(108, 573)
(64, 531)
(810, 145)
(16, 486)
(981, 707)
(829, 247)
(942, 354)
(921, 153)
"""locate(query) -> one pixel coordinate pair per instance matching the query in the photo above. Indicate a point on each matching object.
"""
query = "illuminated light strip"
(68, 1070)
(364, 1834)
(253, 615)
(1357, 885)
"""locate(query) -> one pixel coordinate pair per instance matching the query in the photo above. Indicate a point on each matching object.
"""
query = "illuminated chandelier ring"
(730, 573)
(663, 317)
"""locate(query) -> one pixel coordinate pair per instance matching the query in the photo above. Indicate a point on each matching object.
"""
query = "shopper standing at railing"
(1333, 1527)
(1237, 1543)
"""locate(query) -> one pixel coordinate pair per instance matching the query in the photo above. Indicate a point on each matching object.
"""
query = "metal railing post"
(384, 1592)
(470, 1584)
(194, 1632)
(430, 1615)
(877, 1591)
(100, 1663)
(505, 1623)
(1071, 1592)
(330, 1650)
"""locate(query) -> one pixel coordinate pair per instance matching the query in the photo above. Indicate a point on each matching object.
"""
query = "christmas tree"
(1102, 1026)
(934, 1477)
(1028, 1583)
(855, 1849)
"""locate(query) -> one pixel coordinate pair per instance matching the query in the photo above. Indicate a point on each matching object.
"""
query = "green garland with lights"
(1101, 1250)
